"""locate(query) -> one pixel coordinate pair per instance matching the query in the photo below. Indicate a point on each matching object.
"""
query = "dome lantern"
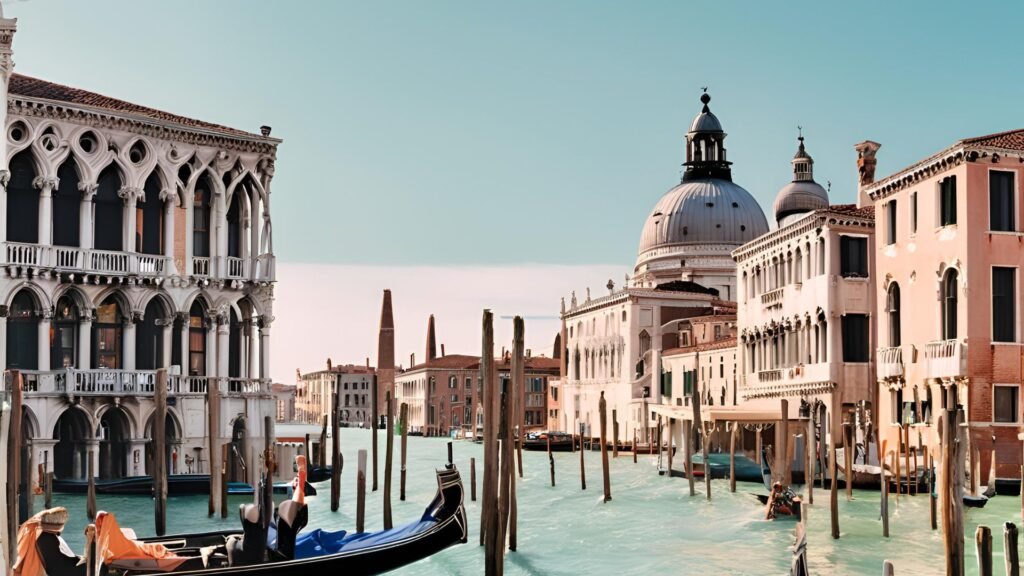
(803, 194)
(705, 146)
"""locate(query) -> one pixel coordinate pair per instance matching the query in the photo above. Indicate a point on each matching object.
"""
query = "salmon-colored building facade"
(949, 251)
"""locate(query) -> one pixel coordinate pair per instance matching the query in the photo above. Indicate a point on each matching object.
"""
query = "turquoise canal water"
(651, 526)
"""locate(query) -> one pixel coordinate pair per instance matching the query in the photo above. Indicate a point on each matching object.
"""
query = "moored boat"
(177, 485)
(560, 441)
(277, 549)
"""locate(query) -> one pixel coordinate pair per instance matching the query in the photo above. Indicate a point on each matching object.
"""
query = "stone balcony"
(791, 380)
(104, 262)
(890, 362)
(945, 359)
(105, 382)
(773, 297)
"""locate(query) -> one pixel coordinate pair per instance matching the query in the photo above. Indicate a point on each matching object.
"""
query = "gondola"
(177, 485)
(278, 551)
(560, 441)
(765, 499)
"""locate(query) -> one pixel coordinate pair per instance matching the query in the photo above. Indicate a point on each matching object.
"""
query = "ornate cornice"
(20, 105)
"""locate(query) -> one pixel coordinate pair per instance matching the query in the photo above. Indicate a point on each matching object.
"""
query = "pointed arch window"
(22, 333)
(64, 334)
(22, 200)
(234, 218)
(109, 212)
(949, 304)
(892, 308)
(201, 204)
(149, 219)
(197, 340)
(108, 334)
(67, 206)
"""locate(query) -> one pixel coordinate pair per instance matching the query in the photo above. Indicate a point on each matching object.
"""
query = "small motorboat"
(560, 441)
(268, 548)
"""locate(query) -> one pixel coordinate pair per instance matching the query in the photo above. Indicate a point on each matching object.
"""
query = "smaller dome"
(705, 121)
(798, 198)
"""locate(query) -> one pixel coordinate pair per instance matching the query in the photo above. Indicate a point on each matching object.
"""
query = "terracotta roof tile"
(30, 87)
(852, 209)
(1010, 140)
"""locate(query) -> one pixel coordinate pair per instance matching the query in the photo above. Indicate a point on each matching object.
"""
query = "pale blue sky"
(482, 132)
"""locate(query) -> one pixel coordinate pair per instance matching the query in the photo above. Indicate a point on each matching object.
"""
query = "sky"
(530, 136)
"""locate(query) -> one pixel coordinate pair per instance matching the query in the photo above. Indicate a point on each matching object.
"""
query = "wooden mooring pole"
(321, 453)
(883, 457)
(472, 479)
(215, 453)
(888, 569)
(403, 424)
(90, 494)
(14, 437)
(634, 448)
(930, 475)
(375, 409)
(224, 448)
(583, 471)
(1010, 551)
(551, 462)
(706, 437)
(671, 430)
(516, 424)
(734, 428)
(834, 492)
(160, 452)
(848, 446)
(489, 514)
(615, 434)
(602, 409)
(389, 449)
(335, 454)
(782, 459)
(983, 545)
(361, 491)
(809, 466)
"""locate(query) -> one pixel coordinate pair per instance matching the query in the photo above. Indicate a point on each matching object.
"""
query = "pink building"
(948, 256)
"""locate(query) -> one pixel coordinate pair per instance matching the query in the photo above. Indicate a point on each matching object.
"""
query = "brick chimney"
(431, 345)
(412, 360)
(866, 163)
(442, 350)
(328, 364)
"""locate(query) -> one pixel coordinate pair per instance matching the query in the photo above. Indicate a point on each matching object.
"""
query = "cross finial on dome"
(705, 98)
(800, 133)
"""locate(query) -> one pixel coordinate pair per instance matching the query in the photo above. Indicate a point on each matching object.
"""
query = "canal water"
(651, 526)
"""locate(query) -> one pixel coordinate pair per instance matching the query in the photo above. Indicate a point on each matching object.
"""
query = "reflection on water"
(651, 526)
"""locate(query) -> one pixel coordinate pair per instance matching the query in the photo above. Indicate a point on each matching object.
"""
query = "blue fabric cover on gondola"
(320, 542)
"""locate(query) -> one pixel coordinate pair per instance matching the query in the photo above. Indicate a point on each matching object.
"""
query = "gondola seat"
(292, 517)
(320, 542)
(247, 549)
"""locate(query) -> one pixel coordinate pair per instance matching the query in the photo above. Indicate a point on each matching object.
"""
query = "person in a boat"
(780, 502)
(42, 551)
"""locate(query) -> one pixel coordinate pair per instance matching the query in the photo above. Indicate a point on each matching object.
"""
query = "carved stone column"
(43, 335)
(171, 202)
(130, 195)
(85, 224)
(128, 361)
(45, 186)
(85, 340)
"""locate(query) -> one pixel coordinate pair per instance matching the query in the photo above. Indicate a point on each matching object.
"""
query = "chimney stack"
(367, 361)
(412, 360)
(866, 162)
(328, 364)
(442, 350)
(431, 346)
(265, 130)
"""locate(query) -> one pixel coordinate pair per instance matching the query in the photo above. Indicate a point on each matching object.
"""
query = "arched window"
(67, 206)
(109, 212)
(821, 256)
(64, 335)
(149, 219)
(234, 345)
(234, 218)
(108, 334)
(645, 342)
(197, 339)
(201, 205)
(22, 200)
(575, 364)
(149, 337)
(798, 267)
(892, 307)
(949, 302)
(23, 333)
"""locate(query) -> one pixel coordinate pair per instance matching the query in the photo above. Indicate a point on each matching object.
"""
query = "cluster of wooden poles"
(13, 434)
(503, 456)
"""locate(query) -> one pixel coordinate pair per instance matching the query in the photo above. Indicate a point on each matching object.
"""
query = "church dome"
(706, 211)
(803, 194)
